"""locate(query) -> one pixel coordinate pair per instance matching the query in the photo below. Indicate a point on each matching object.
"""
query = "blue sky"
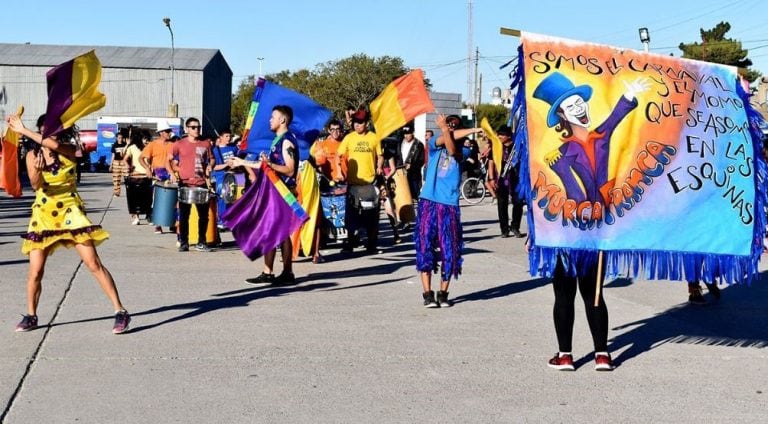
(430, 34)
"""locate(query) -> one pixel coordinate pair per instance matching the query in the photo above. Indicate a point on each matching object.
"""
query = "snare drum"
(164, 206)
(232, 187)
(194, 195)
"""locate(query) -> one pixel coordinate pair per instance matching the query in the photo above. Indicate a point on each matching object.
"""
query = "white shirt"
(405, 148)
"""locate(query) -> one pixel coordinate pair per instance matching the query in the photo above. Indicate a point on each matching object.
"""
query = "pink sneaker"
(603, 362)
(562, 363)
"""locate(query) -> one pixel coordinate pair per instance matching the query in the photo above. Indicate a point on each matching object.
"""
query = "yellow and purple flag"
(402, 100)
(73, 92)
(655, 161)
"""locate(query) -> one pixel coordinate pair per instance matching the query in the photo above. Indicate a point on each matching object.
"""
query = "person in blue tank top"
(438, 224)
(283, 158)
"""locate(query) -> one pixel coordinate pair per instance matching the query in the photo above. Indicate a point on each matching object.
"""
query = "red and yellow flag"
(402, 100)
(9, 168)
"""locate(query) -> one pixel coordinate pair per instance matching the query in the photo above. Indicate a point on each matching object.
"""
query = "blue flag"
(309, 117)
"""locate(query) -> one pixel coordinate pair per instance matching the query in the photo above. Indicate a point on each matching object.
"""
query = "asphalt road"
(351, 342)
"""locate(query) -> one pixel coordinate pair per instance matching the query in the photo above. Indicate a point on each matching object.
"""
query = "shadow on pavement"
(503, 290)
(738, 319)
(200, 307)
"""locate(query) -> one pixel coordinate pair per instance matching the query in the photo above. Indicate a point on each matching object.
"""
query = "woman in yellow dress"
(58, 219)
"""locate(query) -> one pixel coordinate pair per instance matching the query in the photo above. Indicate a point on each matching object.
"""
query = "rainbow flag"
(264, 216)
(73, 92)
(655, 161)
(402, 100)
(309, 117)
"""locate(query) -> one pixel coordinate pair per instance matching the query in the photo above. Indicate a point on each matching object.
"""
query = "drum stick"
(599, 282)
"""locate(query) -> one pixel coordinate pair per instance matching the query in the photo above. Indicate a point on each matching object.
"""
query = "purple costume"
(575, 161)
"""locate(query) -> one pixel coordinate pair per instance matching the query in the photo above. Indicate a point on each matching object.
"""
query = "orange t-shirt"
(158, 152)
(325, 154)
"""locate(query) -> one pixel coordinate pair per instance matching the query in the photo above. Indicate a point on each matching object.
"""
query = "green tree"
(241, 104)
(716, 48)
(350, 82)
(497, 114)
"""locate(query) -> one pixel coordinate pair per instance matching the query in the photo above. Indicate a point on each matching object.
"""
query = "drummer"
(154, 157)
(191, 164)
(222, 151)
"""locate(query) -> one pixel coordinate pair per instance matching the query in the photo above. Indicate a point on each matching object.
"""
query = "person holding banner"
(59, 220)
(438, 224)
(411, 157)
(504, 185)
(283, 158)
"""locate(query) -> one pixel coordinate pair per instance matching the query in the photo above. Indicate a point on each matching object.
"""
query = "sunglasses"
(193, 127)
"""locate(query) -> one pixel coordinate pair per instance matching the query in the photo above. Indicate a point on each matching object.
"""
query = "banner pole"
(599, 282)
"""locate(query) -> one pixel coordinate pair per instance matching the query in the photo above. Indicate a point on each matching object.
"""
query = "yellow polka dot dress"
(58, 214)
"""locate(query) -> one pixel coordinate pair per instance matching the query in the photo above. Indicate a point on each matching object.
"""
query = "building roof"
(110, 56)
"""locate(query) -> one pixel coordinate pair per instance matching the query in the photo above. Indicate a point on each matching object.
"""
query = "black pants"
(202, 222)
(414, 185)
(357, 218)
(563, 312)
(503, 200)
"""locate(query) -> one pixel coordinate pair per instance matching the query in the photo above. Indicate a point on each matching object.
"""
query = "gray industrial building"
(136, 80)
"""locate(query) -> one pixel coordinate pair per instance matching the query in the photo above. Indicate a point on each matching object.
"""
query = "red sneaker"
(562, 363)
(603, 362)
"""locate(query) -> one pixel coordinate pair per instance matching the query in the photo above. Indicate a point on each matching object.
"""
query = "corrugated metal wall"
(132, 92)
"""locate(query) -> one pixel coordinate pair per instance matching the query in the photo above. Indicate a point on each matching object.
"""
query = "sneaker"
(694, 295)
(603, 362)
(28, 323)
(397, 240)
(442, 299)
(122, 319)
(373, 251)
(714, 290)
(505, 235)
(183, 247)
(202, 247)
(284, 279)
(135, 221)
(562, 363)
(429, 300)
(518, 234)
(264, 278)
(158, 229)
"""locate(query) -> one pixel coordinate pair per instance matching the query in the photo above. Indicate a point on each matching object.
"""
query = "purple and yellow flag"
(264, 216)
(654, 160)
(73, 92)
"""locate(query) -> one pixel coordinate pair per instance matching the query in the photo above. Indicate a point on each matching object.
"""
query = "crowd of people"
(355, 163)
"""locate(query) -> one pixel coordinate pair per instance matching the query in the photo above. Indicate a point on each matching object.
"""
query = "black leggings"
(563, 312)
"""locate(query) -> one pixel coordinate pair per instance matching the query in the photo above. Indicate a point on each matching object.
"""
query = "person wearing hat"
(581, 162)
(362, 151)
(505, 184)
(410, 155)
(155, 157)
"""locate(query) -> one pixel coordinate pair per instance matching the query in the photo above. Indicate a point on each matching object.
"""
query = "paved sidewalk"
(351, 342)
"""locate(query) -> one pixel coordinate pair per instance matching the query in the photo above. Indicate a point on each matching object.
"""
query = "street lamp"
(173, 109)
(260, 59)
(645, 38)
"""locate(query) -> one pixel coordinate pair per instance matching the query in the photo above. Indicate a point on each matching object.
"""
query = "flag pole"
(599, 282)
(509, 31)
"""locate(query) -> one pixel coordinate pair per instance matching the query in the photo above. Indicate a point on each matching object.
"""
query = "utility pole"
(475, 94)
(470, 93)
